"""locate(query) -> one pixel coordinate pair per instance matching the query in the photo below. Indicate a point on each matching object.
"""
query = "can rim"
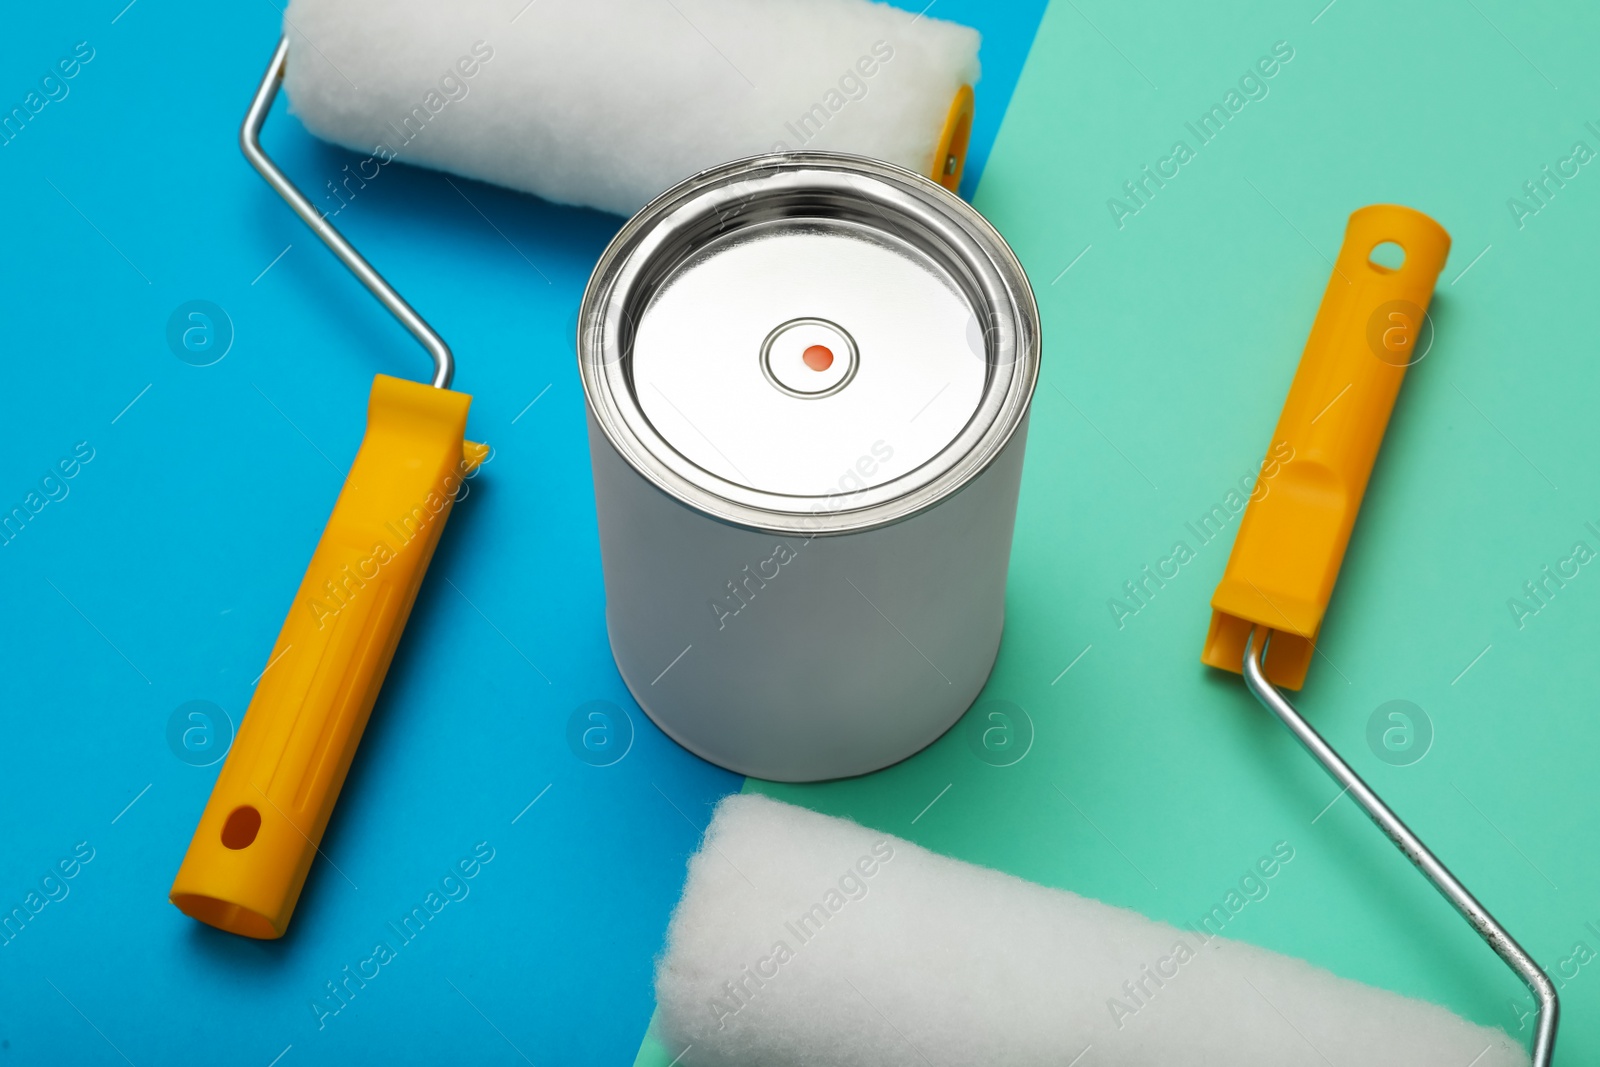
(718, 197)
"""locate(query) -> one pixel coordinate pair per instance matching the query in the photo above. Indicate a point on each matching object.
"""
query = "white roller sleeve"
(608, 102)
(807, 940)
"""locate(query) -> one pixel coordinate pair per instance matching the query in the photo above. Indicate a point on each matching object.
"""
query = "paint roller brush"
(607, 104)
(603, 105)
(804, 940)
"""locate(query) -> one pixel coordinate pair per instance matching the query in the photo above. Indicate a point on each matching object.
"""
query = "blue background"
(164, 573)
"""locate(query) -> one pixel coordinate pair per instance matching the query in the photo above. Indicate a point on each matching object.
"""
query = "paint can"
(808, 380)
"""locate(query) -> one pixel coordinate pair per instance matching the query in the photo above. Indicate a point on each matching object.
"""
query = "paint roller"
(789, 918)
(803, 940)
(604, 105)
(607, 104)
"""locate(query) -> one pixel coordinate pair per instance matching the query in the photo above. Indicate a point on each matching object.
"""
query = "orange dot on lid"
(818, 357)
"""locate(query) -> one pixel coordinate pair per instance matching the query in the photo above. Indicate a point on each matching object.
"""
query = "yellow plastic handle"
(1294, 532)
(260, 830)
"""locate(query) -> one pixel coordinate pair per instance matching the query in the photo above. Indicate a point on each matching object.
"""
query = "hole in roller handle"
(1387, 257)
(241, 828)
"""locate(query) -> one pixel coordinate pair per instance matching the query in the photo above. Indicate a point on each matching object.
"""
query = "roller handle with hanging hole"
(1371, 326)
(263, 825)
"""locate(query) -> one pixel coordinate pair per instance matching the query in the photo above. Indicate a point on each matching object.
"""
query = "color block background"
(1144, 779)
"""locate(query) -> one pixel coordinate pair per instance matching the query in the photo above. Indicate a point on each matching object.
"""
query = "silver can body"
(808, 380)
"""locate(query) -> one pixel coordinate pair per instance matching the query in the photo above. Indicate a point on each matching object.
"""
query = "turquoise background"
(163, 575)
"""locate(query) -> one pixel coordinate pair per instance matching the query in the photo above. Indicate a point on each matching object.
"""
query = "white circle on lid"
(783, 358)
(700, 380)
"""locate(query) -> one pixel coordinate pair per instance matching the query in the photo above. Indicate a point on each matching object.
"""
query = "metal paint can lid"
(808, 342)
